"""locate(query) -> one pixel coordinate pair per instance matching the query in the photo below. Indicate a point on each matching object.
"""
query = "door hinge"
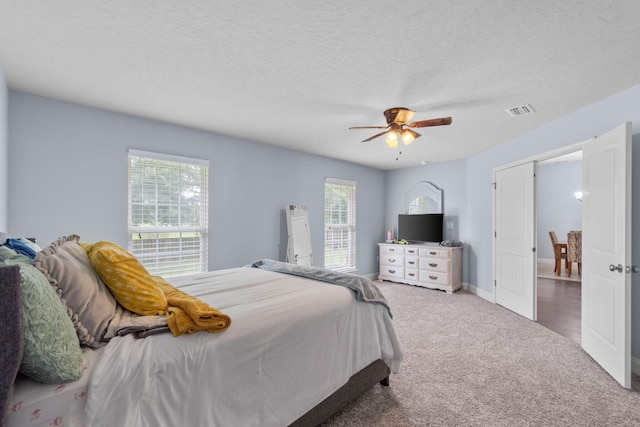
(495, 234)
(495, 283)
(533, 249)
(495, 185)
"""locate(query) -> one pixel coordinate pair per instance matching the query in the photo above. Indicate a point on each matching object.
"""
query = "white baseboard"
(546, 260)
(477, 291)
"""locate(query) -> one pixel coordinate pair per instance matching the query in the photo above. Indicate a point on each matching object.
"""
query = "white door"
(606, 252)
(515, 239)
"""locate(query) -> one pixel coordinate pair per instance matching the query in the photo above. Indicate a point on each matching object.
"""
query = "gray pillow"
(52, 352)
(87, 300)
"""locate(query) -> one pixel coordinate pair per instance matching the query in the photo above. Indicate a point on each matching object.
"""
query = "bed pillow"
(21, 247)
(87, 300)
(52, 352)
(129, 282)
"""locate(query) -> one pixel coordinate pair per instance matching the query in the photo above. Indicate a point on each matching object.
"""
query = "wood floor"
(559, 306)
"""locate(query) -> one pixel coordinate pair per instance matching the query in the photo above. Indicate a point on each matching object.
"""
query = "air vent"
(520, 110)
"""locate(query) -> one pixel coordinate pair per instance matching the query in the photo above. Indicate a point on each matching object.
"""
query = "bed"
(297, 351)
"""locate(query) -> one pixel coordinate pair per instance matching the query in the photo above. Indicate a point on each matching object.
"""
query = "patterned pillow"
(52, 352)
(128, 280)
(87, 300)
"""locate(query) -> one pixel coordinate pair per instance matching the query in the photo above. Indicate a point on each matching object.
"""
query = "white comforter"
(292, 342)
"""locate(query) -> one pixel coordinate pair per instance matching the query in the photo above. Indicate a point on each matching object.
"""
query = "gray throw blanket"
(365, 289)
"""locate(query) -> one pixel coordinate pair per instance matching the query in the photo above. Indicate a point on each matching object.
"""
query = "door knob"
(618, 267)
(632, 269)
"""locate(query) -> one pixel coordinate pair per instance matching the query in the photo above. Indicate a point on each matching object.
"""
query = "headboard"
(11, 333)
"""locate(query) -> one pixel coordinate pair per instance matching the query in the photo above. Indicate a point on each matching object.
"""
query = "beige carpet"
(468, 362)
(546, 270)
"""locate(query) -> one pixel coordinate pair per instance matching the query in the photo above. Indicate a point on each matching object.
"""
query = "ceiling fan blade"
(431, 122)
(374, 136)
(368, 127)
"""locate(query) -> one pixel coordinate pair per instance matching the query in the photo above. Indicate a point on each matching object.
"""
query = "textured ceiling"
(299, 74)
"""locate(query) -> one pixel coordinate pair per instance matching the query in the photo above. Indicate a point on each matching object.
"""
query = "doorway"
(606, 246)
(559, 208)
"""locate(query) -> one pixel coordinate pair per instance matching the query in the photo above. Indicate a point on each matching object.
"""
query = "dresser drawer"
(409, 250)
(396, 249)
(434, 253)
(391, 273)
(411, 262)
(392, 260)
(436, 278)
(435, 264)
(411, 276)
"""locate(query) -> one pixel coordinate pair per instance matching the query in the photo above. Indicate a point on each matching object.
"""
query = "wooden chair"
(574, 251)
(560, 252)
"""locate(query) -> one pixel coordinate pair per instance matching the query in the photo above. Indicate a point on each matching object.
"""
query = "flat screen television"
(421, 227)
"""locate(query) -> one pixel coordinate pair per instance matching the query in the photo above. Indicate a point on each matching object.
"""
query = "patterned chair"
(574, 251)
(560, 252)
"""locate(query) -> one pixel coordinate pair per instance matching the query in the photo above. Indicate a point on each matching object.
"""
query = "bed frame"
(11, 334)
(376, 372)
(11, 339)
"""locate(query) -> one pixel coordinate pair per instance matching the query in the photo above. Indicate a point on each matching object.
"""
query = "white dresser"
(428, 265)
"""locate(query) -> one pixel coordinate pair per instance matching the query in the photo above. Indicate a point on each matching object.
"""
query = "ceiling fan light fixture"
(392, 139)
(409, 135)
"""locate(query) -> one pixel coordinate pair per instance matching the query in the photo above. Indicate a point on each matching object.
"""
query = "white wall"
(69, 175)
(558, 209)
(4, 155)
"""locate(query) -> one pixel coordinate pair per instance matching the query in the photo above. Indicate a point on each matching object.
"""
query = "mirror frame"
(427, 190)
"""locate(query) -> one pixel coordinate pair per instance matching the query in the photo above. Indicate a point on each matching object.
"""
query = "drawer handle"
(392, 271)
(433, 253)
(411, 274)
(412, 262)
(392, 250)
(433, 264)
(392, 260)
(411, 251)
(433, 277)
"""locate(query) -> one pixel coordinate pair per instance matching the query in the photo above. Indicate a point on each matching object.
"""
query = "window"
(168, 212)
(339, 224)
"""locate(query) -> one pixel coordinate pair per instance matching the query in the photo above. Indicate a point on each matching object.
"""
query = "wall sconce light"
(578, 195)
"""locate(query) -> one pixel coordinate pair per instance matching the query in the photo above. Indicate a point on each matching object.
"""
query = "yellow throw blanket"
(188, 314)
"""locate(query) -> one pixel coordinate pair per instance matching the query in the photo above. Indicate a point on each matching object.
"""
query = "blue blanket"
(365, 289)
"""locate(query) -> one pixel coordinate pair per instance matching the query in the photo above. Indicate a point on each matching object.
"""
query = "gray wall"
(581, 125)
(558, 209)
(68, 165)
(4, 154)
(450, 177)
(69, 175)
(471, 200)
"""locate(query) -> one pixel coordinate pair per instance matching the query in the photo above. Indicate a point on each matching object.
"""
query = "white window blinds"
(168, 212)
(339, 224)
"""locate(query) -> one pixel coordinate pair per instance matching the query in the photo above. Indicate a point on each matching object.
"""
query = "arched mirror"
(424, 197)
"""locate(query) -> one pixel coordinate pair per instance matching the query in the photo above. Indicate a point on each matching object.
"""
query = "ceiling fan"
(397, 127)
